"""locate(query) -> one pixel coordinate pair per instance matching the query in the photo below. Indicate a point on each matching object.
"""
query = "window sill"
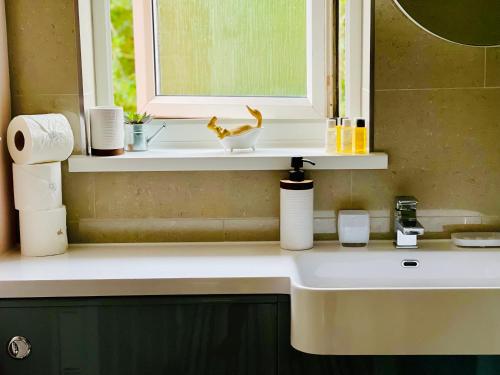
(217, 160)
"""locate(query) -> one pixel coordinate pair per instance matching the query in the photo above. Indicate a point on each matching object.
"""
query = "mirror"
(470, 22)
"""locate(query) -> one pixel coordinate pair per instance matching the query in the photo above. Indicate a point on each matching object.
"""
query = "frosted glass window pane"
(231, 47)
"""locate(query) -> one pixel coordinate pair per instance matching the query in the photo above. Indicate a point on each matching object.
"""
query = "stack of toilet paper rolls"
(38, 144)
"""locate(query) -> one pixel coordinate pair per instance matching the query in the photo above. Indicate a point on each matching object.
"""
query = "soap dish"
(476, 239)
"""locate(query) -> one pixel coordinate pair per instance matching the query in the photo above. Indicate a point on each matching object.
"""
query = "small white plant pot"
(243, 141)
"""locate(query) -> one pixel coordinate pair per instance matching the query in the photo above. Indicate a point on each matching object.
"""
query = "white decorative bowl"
(243, 141)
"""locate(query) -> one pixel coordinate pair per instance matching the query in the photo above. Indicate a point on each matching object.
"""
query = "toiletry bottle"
(346, 136)
(359, 137)
(296, 208)
(340, 120)
(331, 136)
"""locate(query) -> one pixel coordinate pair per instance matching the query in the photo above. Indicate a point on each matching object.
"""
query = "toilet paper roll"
(37, 187)
(34, 139)
(43, 232)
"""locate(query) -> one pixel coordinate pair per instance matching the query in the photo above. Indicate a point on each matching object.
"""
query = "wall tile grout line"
(484, 78)
(29, 94)
(179, 228)
(440, 88)
(94, 188)
(350, 204)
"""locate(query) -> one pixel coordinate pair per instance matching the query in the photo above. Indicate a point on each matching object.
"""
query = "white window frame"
(313, 106)
(358, 49)
(289, 122)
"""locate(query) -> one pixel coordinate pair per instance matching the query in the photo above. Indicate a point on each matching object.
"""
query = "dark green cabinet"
(59, 335)
(187, 335)
(143, 336)
(208, 336)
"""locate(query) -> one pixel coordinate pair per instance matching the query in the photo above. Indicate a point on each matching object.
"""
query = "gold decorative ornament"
(223, 132)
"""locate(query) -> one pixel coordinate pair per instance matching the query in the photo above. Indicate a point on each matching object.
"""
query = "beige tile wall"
(7, 214)
(437, 115)
(43, 55)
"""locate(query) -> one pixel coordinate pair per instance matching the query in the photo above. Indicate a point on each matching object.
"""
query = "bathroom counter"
(330, 289)
(148, 269)
(163, 269)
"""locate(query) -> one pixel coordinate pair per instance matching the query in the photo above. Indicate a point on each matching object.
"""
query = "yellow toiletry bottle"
(339, 134)
(346, 136)
(331, 136)
(359, 137)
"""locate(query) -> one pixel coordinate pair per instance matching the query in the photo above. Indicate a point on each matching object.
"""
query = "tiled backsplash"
(436, 114)
(253, 228)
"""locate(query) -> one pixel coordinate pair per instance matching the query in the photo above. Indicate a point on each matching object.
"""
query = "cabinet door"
(142, 336)
(61, 339)
(189, 336)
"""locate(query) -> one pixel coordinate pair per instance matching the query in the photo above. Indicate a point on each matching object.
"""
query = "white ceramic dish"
(476, 239)
(243, 141)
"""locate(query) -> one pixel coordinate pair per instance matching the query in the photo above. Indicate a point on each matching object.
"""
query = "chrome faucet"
(406, 225)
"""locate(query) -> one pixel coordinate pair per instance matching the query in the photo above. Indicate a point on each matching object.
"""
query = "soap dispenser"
(296, 208)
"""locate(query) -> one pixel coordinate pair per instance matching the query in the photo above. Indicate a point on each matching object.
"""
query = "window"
(195, 58)
(191, 59)
(230, 48)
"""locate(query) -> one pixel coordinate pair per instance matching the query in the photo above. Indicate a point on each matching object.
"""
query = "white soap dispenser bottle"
(296, 208)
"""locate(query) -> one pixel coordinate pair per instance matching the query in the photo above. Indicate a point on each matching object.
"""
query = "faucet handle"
(404, 202)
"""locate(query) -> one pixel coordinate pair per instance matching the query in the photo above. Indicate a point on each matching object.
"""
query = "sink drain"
(410, 263)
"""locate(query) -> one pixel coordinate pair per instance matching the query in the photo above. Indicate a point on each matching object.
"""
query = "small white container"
(107, 131)
(353, 227)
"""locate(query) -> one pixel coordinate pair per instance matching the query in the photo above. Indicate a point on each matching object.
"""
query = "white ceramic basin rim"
(366, 303)
(399, 270)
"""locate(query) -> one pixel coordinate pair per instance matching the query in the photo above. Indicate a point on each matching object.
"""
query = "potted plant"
(136, 131)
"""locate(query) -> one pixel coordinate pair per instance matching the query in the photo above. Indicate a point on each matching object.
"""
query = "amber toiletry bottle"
(359, 137)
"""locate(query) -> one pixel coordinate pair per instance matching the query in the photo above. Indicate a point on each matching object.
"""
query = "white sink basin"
(366, 302)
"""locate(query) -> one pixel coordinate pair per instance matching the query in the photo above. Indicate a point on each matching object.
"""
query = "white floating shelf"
(218, 160)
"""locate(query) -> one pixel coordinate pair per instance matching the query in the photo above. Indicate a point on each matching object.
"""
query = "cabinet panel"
(190, 339)
(61, 340)
(142, 336)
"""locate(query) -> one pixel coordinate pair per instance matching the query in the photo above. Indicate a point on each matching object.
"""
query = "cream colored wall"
(43, 55)
(7, 215)
(437, 115)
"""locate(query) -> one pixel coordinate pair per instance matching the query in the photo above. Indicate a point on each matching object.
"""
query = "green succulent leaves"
(138, 118)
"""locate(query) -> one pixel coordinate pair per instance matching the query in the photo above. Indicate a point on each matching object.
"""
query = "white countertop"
(162, 269)
(148, 269)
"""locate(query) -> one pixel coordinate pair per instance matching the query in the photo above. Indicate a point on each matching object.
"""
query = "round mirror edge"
(402, 10)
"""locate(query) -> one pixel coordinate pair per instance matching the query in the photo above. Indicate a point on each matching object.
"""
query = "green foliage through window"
(122, 34)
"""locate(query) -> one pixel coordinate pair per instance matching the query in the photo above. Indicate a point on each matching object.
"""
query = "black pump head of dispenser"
(297, 173)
